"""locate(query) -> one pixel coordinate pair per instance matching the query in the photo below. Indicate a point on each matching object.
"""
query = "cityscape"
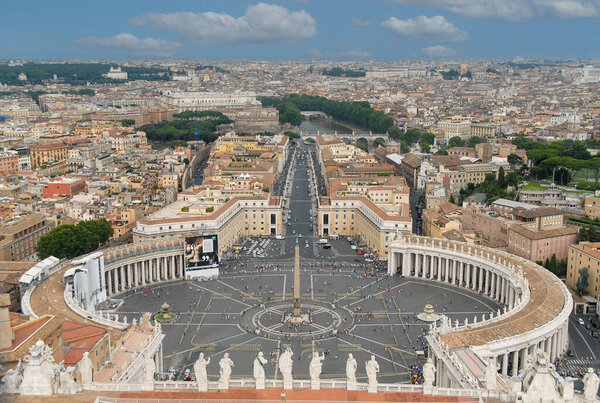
(248, 206)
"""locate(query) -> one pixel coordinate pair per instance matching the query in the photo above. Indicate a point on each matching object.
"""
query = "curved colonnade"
(137, 265)
(536, 305)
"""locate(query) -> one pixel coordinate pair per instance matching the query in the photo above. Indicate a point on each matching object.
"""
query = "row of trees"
(185, 129)
(74, 73)
(69, 241)
(289, 113)
(357, 113)
(559, 160)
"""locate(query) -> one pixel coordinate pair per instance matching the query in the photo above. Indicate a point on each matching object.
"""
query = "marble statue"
(38, 373)
(225, 366)
(372, 368)
(568, 391)
(490, 375)
(351, 366)
(11, 381)
(86, 368)
(149, 369)
(67, 385)
(285, 366)
(259, 370)
(590, 385)
(315, 369)
(428, 373)
(200, 372)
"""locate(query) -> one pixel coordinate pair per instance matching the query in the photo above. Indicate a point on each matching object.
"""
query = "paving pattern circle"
(326, 320)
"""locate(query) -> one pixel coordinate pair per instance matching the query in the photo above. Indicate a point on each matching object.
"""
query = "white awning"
(26, 279)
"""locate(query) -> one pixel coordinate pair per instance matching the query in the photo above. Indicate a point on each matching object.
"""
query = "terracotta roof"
(550, 233)
(538, 212)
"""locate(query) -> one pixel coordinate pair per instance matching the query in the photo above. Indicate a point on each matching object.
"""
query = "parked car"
(580, 321)
(327, 246)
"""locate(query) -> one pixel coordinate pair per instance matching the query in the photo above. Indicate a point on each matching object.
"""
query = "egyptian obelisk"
(296, 311)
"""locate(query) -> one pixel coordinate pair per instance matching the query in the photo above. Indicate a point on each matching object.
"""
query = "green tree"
(69, 241)
(582, 282)
(553, 264)
(289, 113)
(474, 140)
(425, 147)
(127, 122)
(456, 142)
(428, 138)
(547, 264)
(451, 199)
(186, 161)
(292, 135)
(501, 180)
(514, 159)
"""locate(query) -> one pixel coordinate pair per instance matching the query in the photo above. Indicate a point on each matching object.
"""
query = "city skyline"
(303, 30)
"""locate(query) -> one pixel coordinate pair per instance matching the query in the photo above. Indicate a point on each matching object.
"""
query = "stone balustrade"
(92, 316)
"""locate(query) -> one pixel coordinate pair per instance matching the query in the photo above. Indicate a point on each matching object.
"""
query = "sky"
(337, 30)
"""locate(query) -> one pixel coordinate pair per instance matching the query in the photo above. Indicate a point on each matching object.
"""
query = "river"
(324, 126)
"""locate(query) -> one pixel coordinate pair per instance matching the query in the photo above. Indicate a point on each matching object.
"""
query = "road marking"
(218, 293)
(284, 281)
(582, 337)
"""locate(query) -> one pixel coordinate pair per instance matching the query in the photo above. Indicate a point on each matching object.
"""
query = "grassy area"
(585, 173)
(533, 185)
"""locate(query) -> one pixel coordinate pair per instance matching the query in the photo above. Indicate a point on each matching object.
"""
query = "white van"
(278, 236)
(322, 241)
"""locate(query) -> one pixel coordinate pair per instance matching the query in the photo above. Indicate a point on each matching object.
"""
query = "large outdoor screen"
(201, 252)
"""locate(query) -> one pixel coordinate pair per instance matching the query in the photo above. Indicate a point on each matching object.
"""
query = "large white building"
(202, 101)
(454, 128)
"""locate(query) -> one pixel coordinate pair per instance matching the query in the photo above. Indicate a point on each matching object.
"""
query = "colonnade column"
(109, 283)
(515, 362)
(487, 281)
(115, 281)
(480, 287)
(505, 364)
(122, 283)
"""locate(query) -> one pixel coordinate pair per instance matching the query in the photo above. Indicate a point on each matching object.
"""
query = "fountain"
(165, 314)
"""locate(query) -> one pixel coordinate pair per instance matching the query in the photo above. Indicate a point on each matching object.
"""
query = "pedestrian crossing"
(578, 364)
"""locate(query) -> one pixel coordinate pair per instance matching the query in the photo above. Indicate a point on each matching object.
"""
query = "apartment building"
(591, 206)
(359, 217)
(534, 234)
(19, 236)
(45, 153)
(585, 255)
(454, 128)
(366, 200)
(9, 164)
(202, 210)
(63, 186)
(483, 130)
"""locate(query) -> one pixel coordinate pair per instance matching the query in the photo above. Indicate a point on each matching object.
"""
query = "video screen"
(201, 252)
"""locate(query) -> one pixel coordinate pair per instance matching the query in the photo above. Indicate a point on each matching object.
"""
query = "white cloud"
(433, 28)
(133, 45)
(262, 23)
(438, 52)
(568, 8)
(359, 22)
(513, 10)
(505, 9)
